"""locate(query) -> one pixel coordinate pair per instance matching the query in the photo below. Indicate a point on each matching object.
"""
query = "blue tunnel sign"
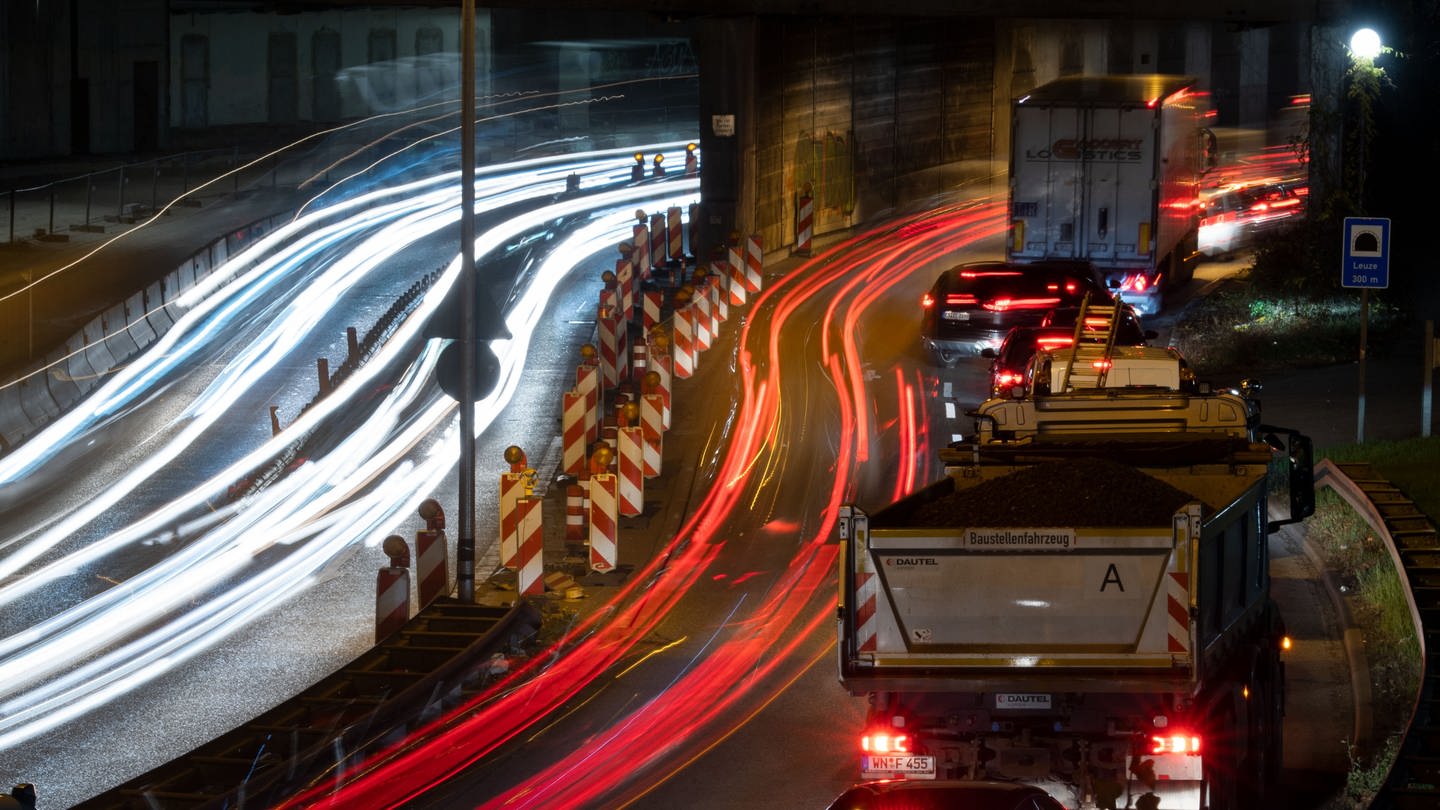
(1366, 261)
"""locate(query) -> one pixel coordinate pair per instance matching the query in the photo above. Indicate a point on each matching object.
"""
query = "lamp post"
(1365, 45)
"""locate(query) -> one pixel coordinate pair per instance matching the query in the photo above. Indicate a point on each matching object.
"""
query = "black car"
(1010, 364)
(971, 306)
(944, 795)
(1129, 331)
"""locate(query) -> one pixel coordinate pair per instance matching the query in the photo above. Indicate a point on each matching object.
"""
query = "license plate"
(955, 315)
(888, 766)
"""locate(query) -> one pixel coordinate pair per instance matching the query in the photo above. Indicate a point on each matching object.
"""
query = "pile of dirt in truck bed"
(1073, 492)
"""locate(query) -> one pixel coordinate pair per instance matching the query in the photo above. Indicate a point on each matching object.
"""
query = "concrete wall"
(239, 68)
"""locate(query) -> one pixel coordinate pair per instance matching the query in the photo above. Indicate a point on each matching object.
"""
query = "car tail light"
(1175, 742)
(1054, 342)
(927, 301)
(885, 742)
(1002, 304)
(960, 299)
(987, 273)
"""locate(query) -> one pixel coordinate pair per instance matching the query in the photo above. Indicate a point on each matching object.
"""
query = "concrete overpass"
(870, 106)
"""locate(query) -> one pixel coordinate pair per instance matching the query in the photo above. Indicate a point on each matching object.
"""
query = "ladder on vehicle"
(1091, 346)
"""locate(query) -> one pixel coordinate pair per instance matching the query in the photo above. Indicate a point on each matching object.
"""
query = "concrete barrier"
(218, 252)
(35, 399)
(142, 332)
(185, 276)
(115, 323)
(15, 426)
(97, 348)
(156, 310)
(70, 375)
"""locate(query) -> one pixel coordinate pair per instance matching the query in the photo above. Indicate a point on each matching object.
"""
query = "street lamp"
(1365, 45)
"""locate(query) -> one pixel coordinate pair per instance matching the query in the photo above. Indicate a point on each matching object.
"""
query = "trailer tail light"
(885, 742)
(1175, 742)
(1136, 283)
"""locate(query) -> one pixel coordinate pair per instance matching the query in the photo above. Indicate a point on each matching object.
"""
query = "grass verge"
(1378, 596)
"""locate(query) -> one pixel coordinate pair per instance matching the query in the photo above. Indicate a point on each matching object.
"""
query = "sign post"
(1365, 264)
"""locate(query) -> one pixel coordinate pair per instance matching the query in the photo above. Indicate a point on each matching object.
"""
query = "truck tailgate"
(1024, 597)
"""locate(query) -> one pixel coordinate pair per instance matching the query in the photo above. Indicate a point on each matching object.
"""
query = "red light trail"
(761, 646)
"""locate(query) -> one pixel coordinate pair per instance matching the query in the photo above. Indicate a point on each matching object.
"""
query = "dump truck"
(1108, 169)
(1083, 601)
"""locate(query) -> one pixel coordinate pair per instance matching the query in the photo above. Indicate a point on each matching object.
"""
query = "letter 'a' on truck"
(1108, 169)
(1083, 601)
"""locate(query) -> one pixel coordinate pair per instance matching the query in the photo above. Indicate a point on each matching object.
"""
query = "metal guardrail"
(439, 660)
(1413, 782)
(123, 193)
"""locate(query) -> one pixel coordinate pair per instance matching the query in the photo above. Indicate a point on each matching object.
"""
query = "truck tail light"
(884, 741)
(1175, 742)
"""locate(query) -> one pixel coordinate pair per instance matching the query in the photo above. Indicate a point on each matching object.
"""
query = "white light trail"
(250, 557)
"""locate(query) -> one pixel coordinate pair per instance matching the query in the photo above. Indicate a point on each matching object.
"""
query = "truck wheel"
(1221, 768)
(1268, 726)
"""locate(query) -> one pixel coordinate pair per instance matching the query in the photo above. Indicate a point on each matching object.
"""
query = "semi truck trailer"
(1108, 169)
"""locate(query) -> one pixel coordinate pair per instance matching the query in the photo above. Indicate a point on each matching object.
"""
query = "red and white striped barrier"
(631, 462)
(754, 263)
(392, 589)
(626, 283)
(736, 287)
(607, 326)
(604, 525)
(804, 224)
(530, 557)
(663, 364)
(518, 483)
(640, 238)
(658, 239)
(572, 432)
(639, 360)
(610, 293)
(512, 489)
(392, 601)
(652, 305)
(432, 574)
(652, 426)
(588, 383)
(719, 299)
(703, 320)
(675, 226)
(683, 352)
(575, 514)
